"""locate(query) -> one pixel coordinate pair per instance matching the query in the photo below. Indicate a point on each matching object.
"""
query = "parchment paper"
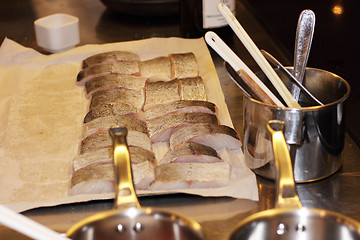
(41, 116)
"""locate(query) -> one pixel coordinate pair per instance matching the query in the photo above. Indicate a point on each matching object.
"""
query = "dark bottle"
(199, 16)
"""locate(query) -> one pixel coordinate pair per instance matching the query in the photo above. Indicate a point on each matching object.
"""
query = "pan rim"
(348, 222)
(146, 211)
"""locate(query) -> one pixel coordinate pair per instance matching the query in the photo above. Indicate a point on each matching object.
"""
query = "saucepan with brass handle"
(289, 220)
(135, 222)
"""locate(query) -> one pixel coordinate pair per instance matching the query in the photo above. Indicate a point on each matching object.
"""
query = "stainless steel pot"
(314, 133)
(133, 222)
(289, 220)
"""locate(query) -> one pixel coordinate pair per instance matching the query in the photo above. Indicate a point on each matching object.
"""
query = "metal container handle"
(125, 192)
(286, 191)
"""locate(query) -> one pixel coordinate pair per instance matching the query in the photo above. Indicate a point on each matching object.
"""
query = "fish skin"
(125, 68)
(99, 178)
(113, 109)
(103, 140)
(160, 129)
(207, 134)
(183, 65)
(105, 155)
(111, 56)
(190, 152)
(156, 69)
(102, 124)
(192, 89)
(181, 106)
(191, 175)
(114, 81)
(133, 97)
(161, 92)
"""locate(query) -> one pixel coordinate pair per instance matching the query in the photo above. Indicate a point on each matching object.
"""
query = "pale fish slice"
(156, 69)
(160, 129)
(99, 178)
(111, 56)
(105, 155)
(191, 175)
(133, 97)
(212, 135)
(114, 109)
(103, 140)
(181, 106)
(183, 65)
(127, 68)
(114, 81)
(192, 89)
(161, 92)
(102, 124)
(190, 152)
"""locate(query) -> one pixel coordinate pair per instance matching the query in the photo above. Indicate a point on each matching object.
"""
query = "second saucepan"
(289, 220)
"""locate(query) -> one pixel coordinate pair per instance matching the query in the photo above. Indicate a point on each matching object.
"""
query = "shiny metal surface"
(303, 40)
(277, 64)
(135, 223)
(302, 223)
(240, 83)
(217, 216)
(289, 220)
(317, 132)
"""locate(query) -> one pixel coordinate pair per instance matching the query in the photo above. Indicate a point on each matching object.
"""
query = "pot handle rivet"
(281, 229)
(120, 228)
(138, 227)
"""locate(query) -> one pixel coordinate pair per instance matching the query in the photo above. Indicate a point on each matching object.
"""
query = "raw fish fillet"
(156, 69)
(103, 140)
(99, 178)
(114, 81)
(114, 109)
(180, 106)
(216, 136)
(183, 65)
(161, 92)
(102, 124)
(174, 176)
(160, 129)
(191, 152)
(105, 155)
(112, 56)
(192, 89)
(133, 97)
(126, 68)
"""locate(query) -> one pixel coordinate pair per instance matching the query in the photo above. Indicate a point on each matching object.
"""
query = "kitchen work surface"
(98, 26)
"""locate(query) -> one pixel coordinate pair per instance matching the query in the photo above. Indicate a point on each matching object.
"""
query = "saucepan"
(315, 133)
(289, 220)
(128, 220)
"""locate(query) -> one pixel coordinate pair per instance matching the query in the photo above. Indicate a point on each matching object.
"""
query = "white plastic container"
(58, 32)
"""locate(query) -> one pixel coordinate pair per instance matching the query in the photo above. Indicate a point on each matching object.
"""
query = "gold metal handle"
(286, 191)
(125, 192)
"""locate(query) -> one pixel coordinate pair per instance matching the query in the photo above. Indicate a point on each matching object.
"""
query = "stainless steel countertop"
(218, 216)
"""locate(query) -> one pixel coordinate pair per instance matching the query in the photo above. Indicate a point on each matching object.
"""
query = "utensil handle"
(240, 67)
(274, 61)
(125, 192)
(27, 226)
(286, 191)
(258, 57)
(303, 40)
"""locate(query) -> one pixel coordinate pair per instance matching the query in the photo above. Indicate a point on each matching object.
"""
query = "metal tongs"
(275, 62)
